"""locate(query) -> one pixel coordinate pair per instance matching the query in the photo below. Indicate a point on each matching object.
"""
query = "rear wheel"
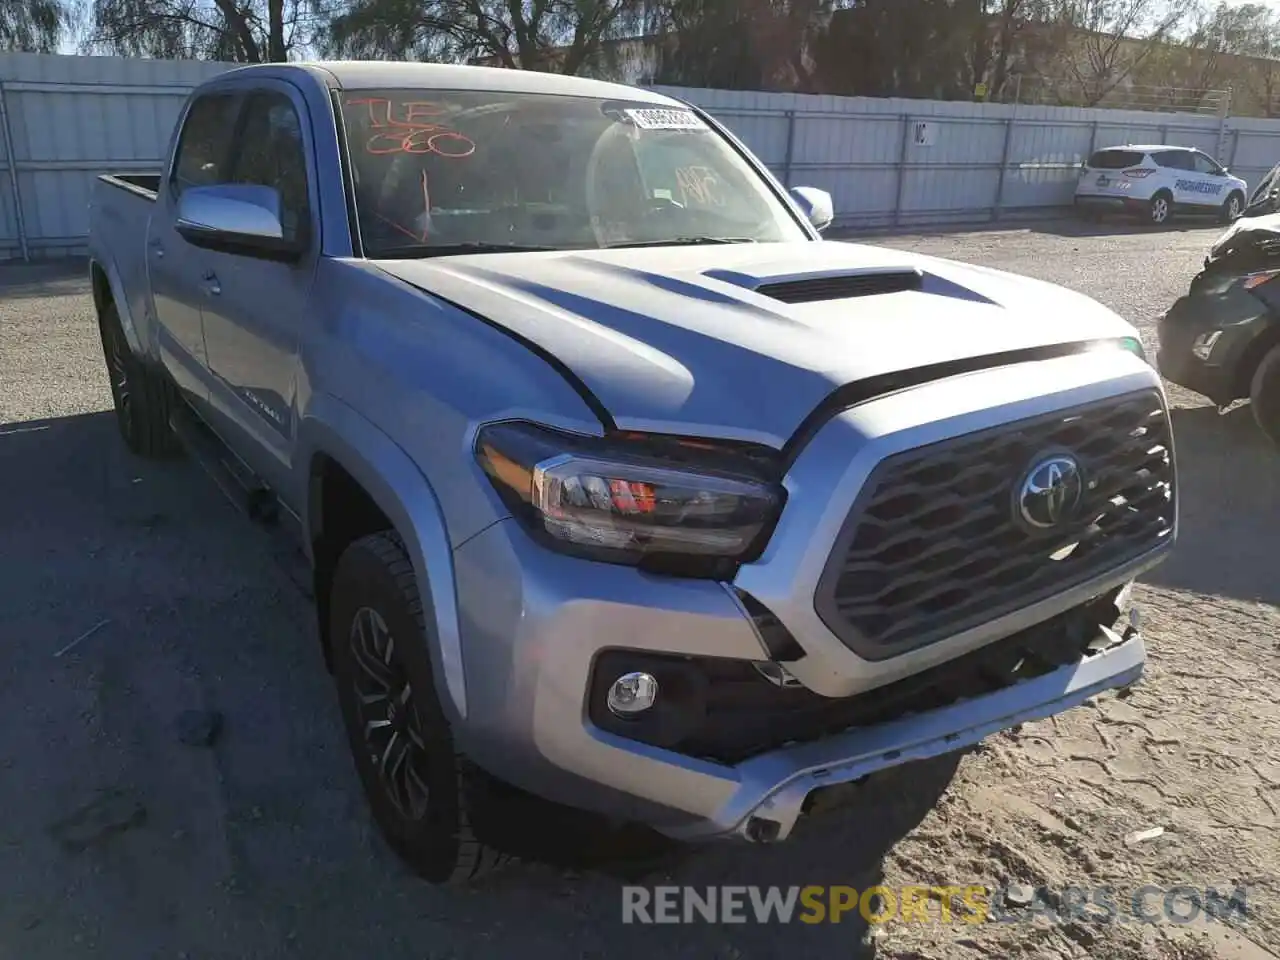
(143, 399)
(426, 798)
(1264, 395)
(1160, 209)
(1232, 208)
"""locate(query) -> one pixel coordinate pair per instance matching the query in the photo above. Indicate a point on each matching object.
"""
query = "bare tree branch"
(243, 31)
(34, 26)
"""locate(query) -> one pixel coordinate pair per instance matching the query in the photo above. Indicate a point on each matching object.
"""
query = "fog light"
(1203, 345)
(632, 693)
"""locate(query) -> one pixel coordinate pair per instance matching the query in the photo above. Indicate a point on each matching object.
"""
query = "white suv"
(1157, 182)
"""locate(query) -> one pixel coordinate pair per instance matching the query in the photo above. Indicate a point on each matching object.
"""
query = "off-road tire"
(1160, 209)
(143, 398)
(1264, 395)
(1232, 207)
(442, 844)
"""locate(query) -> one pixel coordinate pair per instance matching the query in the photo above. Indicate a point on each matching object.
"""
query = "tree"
(240, 31)
(565, 36)
(1096, 45)
(916, 48)
(997, 28)
(1221, 47)
(1255, 36)
(741, 44)
(35, 26)
(1210, 53)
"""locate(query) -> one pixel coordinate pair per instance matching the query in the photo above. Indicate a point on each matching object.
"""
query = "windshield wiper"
(415, 250)
(677, 242)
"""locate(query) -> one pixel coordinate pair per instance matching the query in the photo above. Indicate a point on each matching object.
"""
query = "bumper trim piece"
(773, 787)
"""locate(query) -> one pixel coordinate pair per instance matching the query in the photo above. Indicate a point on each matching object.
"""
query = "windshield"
(457, 171)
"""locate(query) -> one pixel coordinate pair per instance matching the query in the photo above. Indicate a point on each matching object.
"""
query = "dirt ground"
(117, 840)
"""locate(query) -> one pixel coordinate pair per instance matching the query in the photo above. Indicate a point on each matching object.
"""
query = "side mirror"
(816, 205)
(237, 218)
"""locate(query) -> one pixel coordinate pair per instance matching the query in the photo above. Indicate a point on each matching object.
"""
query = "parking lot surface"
(132, 593)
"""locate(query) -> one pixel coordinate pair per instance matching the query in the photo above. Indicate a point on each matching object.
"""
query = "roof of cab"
(1146, 147)
(372, 74)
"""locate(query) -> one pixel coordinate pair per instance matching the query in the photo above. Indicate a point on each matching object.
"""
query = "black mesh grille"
(843, 287)
(932, 546)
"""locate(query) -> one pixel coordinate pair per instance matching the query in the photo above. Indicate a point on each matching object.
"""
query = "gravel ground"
(118, 840)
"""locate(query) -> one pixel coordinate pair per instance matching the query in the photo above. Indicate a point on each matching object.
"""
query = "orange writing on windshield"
(411, 126)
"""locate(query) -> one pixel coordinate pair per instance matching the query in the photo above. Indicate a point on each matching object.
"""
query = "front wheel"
(1264, 395)
(427, 800)
(1159, 210)
(1232, 208)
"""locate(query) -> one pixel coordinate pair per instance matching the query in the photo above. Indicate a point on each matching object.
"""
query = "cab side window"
(1205, 165)
(204, 146)
(1264, 189)
(272, 154)
(1174, 160)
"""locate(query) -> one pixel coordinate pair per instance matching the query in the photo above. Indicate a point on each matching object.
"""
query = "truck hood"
(698, 340)
(1246, 231)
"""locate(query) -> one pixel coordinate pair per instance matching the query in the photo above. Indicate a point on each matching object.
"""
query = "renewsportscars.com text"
(964, 904)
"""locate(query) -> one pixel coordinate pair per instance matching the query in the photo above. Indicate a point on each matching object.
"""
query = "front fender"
(405, 496)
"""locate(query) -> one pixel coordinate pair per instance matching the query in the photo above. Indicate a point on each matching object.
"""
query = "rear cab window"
(1115, 159)
(204, 146)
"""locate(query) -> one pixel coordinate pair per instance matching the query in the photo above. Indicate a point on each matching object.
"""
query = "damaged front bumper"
(774, 788)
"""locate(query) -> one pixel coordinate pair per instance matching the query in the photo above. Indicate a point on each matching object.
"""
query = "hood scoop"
(844, 286)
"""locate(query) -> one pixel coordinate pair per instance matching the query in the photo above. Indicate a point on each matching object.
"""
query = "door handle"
(211, 285)
(157, 248)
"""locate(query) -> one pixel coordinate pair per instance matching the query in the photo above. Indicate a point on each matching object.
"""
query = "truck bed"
(143, 184)
(120, 210)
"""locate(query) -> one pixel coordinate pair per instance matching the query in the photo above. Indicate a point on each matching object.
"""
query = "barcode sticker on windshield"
(657, 118)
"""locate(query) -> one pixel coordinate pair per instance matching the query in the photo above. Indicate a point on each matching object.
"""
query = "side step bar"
(246, 491)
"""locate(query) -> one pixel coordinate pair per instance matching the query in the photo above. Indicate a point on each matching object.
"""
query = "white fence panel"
(917, 162)
(65, 120)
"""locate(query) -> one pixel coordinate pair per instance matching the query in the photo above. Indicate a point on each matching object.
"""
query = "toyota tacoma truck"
(618, 485)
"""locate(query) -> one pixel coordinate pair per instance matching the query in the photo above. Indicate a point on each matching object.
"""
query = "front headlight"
(1128, 344)
(1133, 345)
(684, 506)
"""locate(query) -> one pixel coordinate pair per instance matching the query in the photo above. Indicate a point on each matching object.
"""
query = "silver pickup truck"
(618, 485)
